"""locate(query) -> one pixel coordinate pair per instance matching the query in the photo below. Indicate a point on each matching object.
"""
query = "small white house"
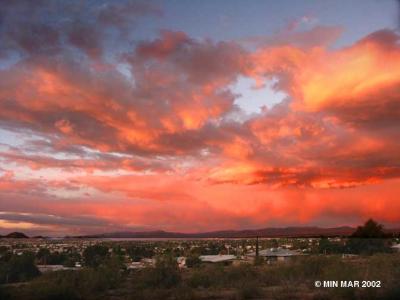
(396, 247)
(217, 258)
(275, 254)
(135, 265)
(52, 268)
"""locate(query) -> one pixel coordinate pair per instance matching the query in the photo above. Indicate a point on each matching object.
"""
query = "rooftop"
(216, 258)
(278, 252)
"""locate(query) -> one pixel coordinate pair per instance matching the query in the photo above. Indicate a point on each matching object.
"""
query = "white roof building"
(396, 247)
(217, 258)
(52, 268)
(135, 265)
(275, 252)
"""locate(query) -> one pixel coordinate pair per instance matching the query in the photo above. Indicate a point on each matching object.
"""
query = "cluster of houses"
(243, 254)
(18, 247)
(269, 255)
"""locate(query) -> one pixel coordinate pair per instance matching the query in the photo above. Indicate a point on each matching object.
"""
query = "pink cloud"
(159, 146)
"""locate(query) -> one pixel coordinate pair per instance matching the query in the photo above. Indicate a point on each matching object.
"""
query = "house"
(52, 268)
(275, 254)
(135, 265)
(396, 247)
(222, 259)
(148, 262)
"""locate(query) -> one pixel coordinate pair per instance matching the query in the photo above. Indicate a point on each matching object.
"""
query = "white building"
(396, 247)
(275, 254)
(52, 268)
(217, 258)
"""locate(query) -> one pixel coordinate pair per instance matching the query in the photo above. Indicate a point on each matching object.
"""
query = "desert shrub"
(193, 261)
(183, 292)
(202, 277)
(4, 294)
(70, 285)
(235, 275)
(95, 255)
(18, 268)
(220, 276)
(165, 274)
(345, 294)
(149, 294)
(304, 270)
(287, 291)
(279, 274)
(313, 267)
(392, 293)
(248, 289)
(137, 252)
(385, 267)
(321, 295)
(341, 271)
(57, 285)
(258, 260)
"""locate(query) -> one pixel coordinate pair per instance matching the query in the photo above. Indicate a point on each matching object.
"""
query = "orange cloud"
(358, 83)
(163, 144)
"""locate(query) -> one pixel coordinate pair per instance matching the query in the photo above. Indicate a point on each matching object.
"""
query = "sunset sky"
(198, 115)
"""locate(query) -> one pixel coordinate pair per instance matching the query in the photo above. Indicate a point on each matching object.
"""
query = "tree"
(258, 260)
(371, 229)
(95, 255)
(18, 268)
(166, 273)
(43, 256)
(368, 239)
(71, 259)
(137, 252)
(193, 261)
(325, 246)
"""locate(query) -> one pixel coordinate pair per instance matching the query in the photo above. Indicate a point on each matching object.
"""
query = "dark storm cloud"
(51, 27)
(43, 219)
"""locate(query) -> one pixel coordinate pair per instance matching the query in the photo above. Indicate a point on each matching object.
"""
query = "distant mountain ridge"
(249, 233)
(14, 235)
(274, 232)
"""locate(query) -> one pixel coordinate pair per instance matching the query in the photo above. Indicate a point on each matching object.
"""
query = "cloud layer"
(103, 131)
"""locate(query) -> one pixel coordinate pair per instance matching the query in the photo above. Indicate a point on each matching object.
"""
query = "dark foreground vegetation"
(286, 280)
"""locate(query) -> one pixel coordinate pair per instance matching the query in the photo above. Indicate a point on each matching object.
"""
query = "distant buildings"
(275, 254)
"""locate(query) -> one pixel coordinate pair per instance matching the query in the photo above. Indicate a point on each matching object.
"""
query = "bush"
(183, 292)
(279, 274)
(18, 268)
(164, 275)
(95, 255)
(249, 289)
(4, 295)
(201, 278)
(193, 261)
(392, 293)
(70, 285)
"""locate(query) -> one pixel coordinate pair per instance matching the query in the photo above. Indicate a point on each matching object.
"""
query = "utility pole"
(257, 248)
(257, 258)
